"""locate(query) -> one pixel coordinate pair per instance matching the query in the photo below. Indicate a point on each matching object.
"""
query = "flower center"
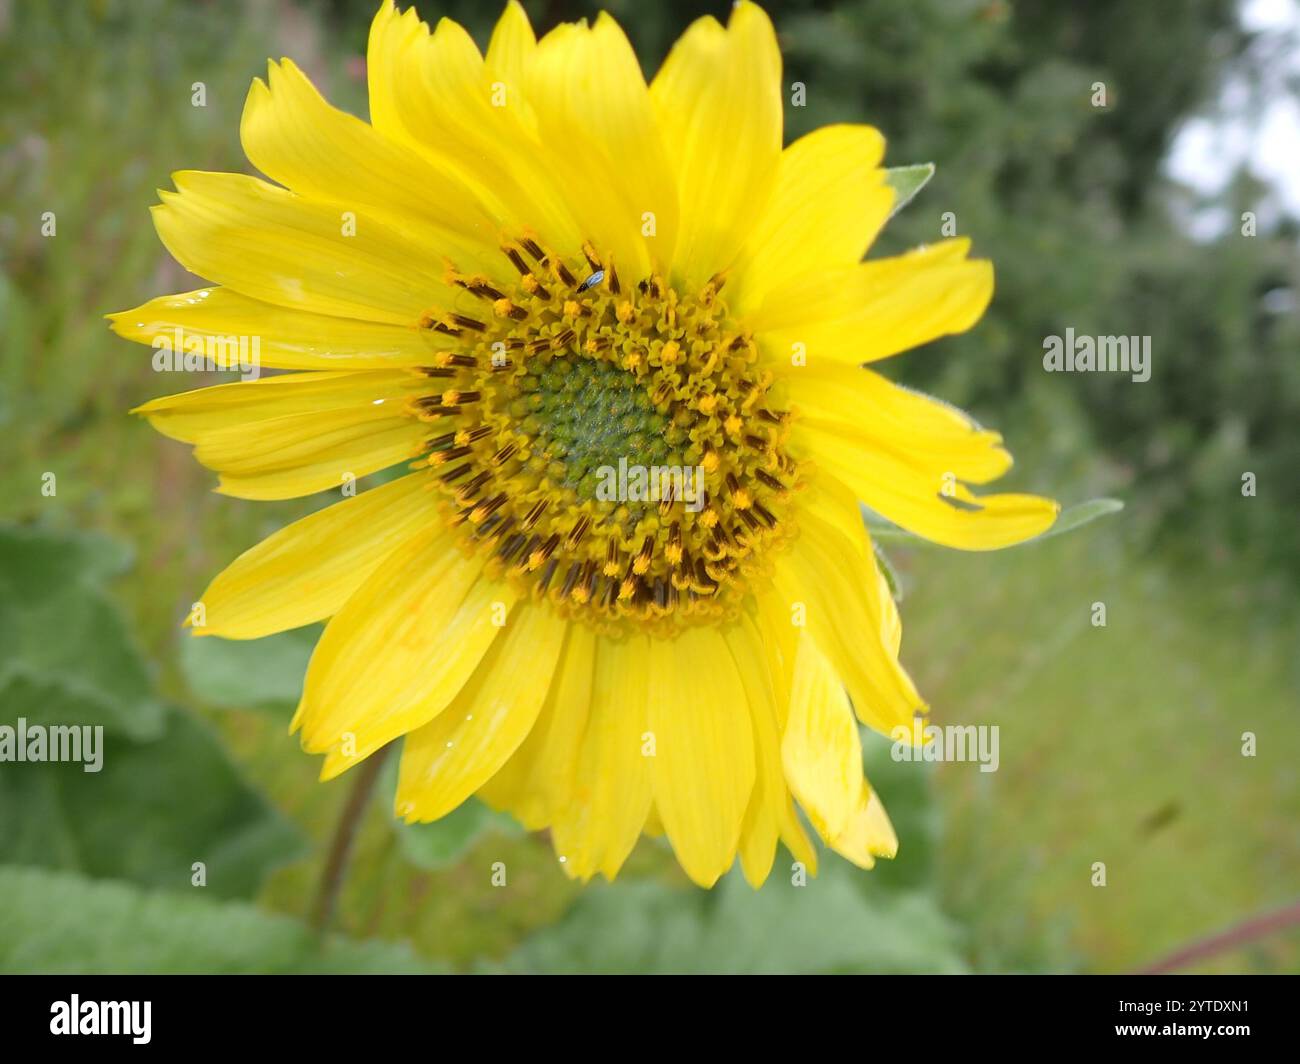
(590, 414)
(612, 449)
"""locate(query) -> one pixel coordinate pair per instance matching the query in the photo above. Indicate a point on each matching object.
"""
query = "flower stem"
(1250, 930)
(335, 870)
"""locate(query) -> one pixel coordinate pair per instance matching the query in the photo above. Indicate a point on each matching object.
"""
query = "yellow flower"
(533, 278)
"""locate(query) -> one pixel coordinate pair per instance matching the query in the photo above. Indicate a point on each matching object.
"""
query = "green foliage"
(61, 923)
(166, 795)
(830, 925)
(64, 651)
(151, 812)
(1082, 513)
(241, 674)
(906, 182)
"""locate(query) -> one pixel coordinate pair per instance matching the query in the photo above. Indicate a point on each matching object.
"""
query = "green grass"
(1120, 744)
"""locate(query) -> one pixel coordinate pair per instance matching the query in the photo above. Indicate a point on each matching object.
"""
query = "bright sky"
(1263, 134)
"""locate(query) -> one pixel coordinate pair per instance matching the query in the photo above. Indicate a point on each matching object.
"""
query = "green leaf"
(165, 795)
(829, 925)
(152, 811)
(443, 842)
(906, 182)
(54, 922)
(30, 692)
(255, 673)
(37, 561)
(66, 656)
(1082, 513)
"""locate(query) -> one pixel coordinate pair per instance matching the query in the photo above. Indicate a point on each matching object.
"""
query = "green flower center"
(586, 415)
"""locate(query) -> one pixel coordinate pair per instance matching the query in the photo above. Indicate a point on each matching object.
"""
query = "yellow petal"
(301, 454)
(771, 812)
(907, 430)
(448, 759)
(294, 137)
(820, 749)
(274, 246)
(834, 505)
(703, 766)
(928, 500)
(718, 102)
(194, 415)
(611, 795)
(822, 754)
(587, 93)
(829, 203)
(862, 313)
(835, 588)
(308, 569)
(537, 782)
(909, 458)
(779, 641)
(297, 434)
(400, 649)
(232, 327)
(512, 48)
(433, 93)
(868, 834)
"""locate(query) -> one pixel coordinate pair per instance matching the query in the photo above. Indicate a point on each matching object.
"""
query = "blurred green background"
(1120, 744)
